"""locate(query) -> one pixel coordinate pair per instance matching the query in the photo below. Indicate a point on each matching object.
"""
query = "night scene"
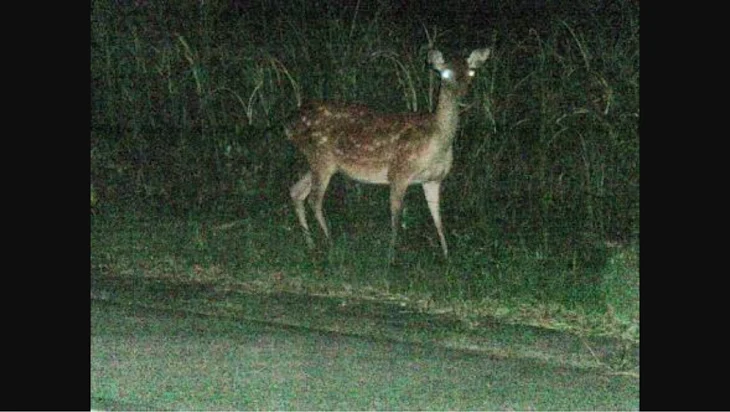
(364, 205)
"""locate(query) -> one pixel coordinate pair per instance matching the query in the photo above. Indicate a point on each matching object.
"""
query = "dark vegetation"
(188, 100)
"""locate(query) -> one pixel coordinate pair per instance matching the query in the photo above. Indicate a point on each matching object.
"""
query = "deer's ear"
(436, 59)
(477, 58)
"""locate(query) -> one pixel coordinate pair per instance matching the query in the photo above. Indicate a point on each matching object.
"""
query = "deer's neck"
(447, 115)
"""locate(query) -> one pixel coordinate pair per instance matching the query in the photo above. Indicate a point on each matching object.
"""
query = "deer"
(398, 150)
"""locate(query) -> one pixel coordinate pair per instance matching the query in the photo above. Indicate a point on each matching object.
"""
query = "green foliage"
(188, 101)
(621, 284)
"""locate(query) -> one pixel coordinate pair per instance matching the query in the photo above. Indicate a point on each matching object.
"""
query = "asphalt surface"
(151, 359)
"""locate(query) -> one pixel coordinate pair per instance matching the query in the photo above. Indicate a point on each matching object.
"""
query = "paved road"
(143, 358)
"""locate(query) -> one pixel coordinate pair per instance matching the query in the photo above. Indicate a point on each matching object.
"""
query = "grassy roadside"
(267, 256)
(190, 168)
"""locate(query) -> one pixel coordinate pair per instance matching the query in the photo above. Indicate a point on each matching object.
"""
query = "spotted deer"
(394, 149)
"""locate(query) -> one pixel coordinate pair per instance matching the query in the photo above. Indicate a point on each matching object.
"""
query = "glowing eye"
(447, 74)
(471, 73)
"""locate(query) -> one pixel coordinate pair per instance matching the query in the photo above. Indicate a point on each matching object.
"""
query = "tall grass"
(188, 100)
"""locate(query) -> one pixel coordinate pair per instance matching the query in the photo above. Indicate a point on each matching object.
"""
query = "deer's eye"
(471, 73)
(447, 74)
